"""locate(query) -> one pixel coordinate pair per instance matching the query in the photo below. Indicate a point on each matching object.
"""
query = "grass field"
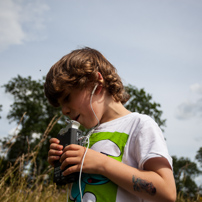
(16, 187)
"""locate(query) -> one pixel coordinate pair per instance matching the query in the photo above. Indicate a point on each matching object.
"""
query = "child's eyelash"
(67, 97)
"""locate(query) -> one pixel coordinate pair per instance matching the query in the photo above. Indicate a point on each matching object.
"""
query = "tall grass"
(181, 198)
(15, 186)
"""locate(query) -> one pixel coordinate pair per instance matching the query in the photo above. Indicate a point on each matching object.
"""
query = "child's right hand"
(55, 151)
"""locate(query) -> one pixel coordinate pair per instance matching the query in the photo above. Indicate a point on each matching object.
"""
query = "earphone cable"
(88, 139)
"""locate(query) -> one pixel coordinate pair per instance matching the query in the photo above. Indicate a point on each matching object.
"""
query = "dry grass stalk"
(19, 188)
(14, 135)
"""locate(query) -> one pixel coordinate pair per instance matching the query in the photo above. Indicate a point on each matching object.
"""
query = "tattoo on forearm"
(142, 185)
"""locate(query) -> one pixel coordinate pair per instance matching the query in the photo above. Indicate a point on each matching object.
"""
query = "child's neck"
(113, 110)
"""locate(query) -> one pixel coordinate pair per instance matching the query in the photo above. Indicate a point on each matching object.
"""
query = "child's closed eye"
(67, 98)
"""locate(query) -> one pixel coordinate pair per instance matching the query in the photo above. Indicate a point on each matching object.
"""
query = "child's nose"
(65, 110)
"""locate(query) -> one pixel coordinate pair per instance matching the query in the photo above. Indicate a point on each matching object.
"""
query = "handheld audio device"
(68, 135)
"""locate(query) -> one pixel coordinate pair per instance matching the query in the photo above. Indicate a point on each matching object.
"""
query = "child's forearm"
(150, 185)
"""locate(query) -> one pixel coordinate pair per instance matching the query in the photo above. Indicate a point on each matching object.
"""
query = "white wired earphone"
(87, 139)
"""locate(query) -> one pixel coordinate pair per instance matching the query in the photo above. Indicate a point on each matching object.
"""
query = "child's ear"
(100, 79)
(100, 83)
(98, 89)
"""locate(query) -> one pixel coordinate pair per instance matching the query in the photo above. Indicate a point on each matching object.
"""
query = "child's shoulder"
(135, 117)
(132, 120)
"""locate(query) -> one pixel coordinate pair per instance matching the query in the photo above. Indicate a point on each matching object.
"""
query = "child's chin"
(88, 126)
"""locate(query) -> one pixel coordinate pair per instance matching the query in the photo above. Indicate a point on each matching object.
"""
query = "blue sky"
(155, 45)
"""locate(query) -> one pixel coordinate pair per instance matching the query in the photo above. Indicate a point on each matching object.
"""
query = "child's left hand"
(73, 155)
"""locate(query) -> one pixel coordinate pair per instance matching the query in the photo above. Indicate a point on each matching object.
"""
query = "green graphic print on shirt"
(97, 188)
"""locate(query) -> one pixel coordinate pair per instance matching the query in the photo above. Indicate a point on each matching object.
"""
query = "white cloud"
(197, 88)
(10, 28)
(20, 21)
(185, 110)
(193, 106)
(189, 109)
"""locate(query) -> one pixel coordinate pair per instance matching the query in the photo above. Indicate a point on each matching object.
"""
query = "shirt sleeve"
(150, 143)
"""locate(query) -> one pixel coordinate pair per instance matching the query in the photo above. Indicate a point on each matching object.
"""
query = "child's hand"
(73, 155)
(55, 151)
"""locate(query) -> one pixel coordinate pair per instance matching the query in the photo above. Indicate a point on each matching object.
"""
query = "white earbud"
(94, 89)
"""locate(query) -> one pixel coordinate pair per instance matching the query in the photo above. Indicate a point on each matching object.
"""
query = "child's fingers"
(52, 159)
(55, 146)
(53, 152)
(54, 140)
(72, 147)
(73, 159)
(71, 169)
(72, 154)
(68, 154)
(53, 155)
(69, 161)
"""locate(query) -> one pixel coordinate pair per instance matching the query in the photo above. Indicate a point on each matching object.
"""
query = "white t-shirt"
(131, 139)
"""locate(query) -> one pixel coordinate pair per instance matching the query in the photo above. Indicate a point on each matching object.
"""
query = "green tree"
(141, 102)
(0, 109)
(199, 156)
(184, 172)
(29, 97)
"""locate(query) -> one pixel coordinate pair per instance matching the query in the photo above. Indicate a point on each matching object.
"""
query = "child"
(128, 158)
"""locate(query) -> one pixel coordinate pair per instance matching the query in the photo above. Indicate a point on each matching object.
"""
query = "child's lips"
(77, 117)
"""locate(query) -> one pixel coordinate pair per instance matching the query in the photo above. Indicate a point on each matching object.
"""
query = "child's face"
(75, 104)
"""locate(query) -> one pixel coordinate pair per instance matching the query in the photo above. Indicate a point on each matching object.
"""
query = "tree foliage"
(142, 102)
(184, 172)
(199, 156)
(29, 97)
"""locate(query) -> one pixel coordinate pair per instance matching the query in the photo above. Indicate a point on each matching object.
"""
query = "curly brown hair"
(80, 68)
